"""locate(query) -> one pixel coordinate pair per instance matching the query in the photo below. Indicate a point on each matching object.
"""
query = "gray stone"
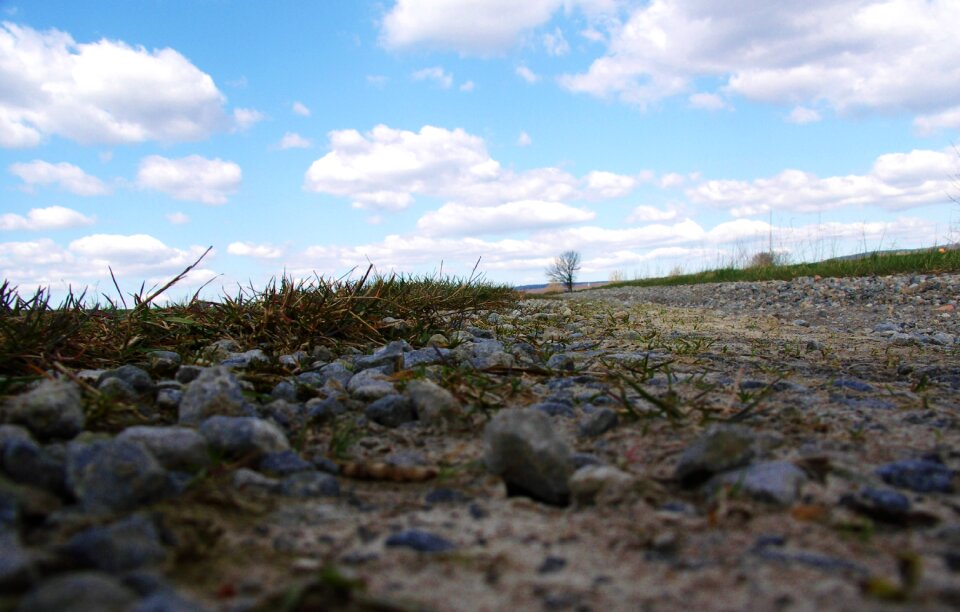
(921, 475)
(27, 462)
(246, 479)
(114, 475)
(561, 361)
(16, 568)
(245, 359)
(391, 411)
(426, 356)
(389, 357)
(370, 384)
(285, 390)
(293, 360)
(720, 449)
(221, 349)
(335, 371)
(163, 363)
(137, 378)
(434, 404)
(310, 484)
(129, 544)
(52, 410)
(188, 373)
(290, 416)
(118, 390)
(420, 541)
(79, 592)
(776, 482)
(599, 483)
(323, 410)
(522, 447)
(168, 399)
(283, 463)
(9, 433)
(215, 391)
(176, 448)
(238, 436)
(167, 600)
(598, 422)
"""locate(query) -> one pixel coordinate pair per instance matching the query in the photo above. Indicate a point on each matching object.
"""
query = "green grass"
(283, 317)
(926, 261)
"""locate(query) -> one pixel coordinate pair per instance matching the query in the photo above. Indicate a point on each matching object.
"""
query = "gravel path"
(750, 445)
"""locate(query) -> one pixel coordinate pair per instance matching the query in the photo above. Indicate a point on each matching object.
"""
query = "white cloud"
(69, 177)
(524, 140)
(851, 55)
(929, 124)
(645, 214)
(249, 249)
(101, 92)
(178, 218)
(478, 27)
(467, 86)
(707, 101)
(526, 74)
(555, 43)
(385, 168)
(195, 178)
(50, 218)
(896, 181)
(435, 74)
(802, 115)
(608, 184)
(292, 140)
(457, 219)
(301, 109)
(244, 118)
(671, 179)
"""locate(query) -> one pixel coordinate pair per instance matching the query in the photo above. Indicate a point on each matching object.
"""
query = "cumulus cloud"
(67, 176)
(385, 168)
(608, 184)
(929, 124)
(50, 218)
(299, 108)
(457, 219)
(435, 74)
(896, 181)
(101, 92)
(249, 249)
(195, 178)
(524, 140)
(851, 55)
(292, 140)
(527, 75)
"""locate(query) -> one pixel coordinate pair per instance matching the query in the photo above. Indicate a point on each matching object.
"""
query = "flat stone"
(598, 422)
(522, 447)
(391, 411)
(599, 483)
(370, 384)
(310, 484)
(921, 475)
(776, 482)
(420, 541)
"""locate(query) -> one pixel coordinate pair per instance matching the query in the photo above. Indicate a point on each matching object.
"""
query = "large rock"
(522, 447)
(114, 475)
(215, 391)
(52, 410)
(239, 436)
(720, 449)
(126, 545)
(391, 411)
(434, 404)
(80, 592)
(774, 482)
(176, 448)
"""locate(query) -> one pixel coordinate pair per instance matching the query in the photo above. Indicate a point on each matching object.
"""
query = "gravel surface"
(750, 445)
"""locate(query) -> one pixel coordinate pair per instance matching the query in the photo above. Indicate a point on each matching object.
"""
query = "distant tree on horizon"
(564, 268)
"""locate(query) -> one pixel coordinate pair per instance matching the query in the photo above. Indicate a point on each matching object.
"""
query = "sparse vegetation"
(564, 269)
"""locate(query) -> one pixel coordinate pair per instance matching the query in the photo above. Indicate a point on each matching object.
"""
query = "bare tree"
(564, 268)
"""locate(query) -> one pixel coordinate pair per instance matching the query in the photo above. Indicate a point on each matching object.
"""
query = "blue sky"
(318, 137)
